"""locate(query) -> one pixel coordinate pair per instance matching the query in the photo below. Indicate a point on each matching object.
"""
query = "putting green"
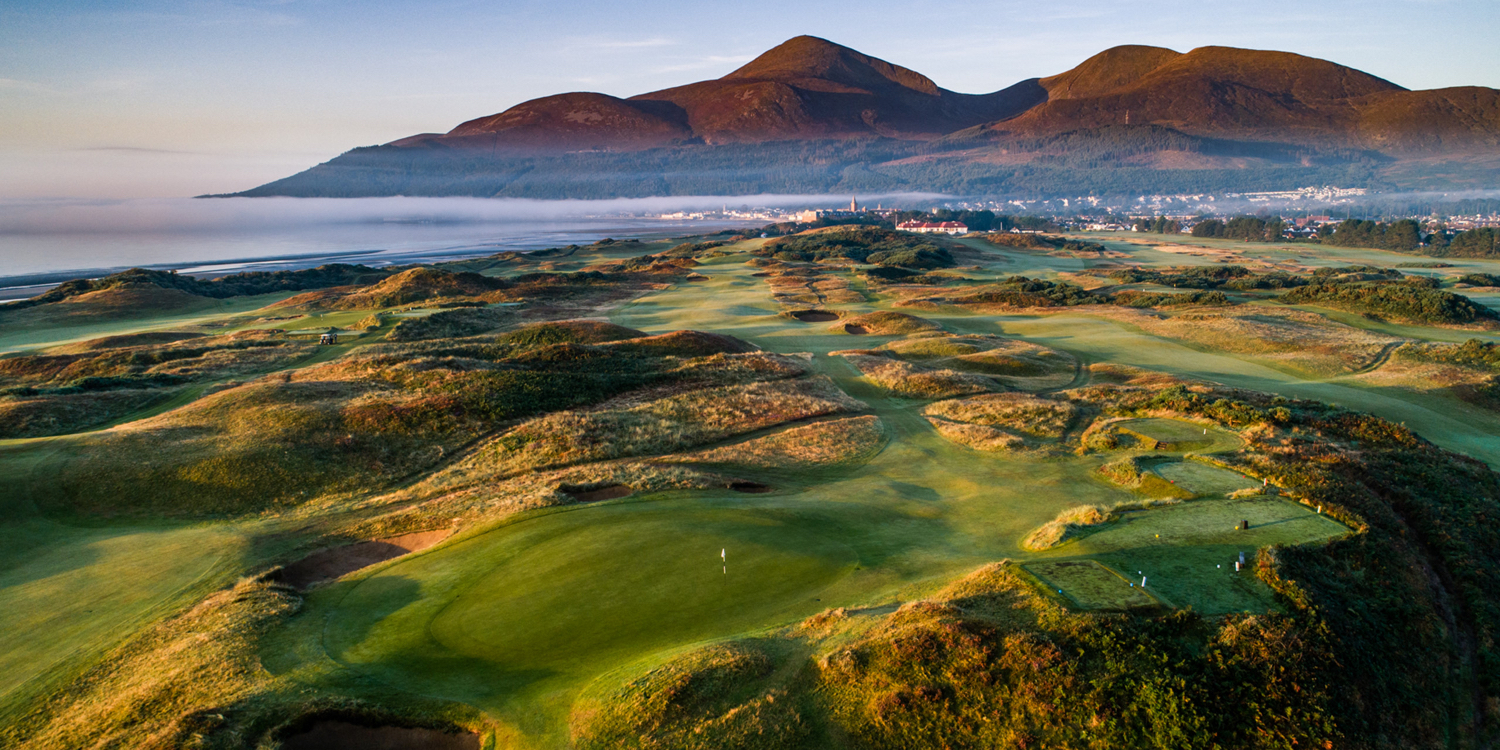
(1178, 436)
(536, 607)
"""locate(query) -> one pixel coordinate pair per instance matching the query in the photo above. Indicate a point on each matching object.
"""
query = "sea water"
(44, 242)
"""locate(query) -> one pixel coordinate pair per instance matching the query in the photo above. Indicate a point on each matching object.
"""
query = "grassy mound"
(64, 414)
(456, 323)
(118, 302)
(1002, 421)
(915, 381)
(569, 332)
(663, 426)
(1018, 364)
(1043, 242)
(234, 285)
(1134, 473)
(706, 699)
(61, 393)
(886, 323)
(803, 286)
(828, 443)
(147, 338)
(685, 344)
(419, 285)
(356, 424)
(1067, 523)
(1073, 522)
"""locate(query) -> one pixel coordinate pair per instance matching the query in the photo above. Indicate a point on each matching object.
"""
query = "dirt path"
(1383, 356)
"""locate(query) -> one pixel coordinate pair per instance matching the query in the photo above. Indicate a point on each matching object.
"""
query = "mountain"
(814, 116)
(1259, 95)
(806, 88)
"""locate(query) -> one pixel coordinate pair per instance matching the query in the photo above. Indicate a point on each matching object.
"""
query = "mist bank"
(47, 241)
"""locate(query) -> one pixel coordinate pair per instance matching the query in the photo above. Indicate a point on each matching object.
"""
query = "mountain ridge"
(1282, 108)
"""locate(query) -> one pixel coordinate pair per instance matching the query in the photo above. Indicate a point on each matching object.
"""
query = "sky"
(111, 99)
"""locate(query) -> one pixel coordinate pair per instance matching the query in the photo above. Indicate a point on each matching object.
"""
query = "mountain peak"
(810, 57)
(1110, 70)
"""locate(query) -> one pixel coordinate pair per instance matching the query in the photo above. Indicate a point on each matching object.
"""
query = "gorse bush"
(861, 245)
(1402, 301)
(1147, 299)
(1021, 291)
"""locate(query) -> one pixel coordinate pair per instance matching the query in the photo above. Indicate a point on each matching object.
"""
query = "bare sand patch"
(815, 316)
(341, 735)
(596, 494)
(329, 564)
(750, 487)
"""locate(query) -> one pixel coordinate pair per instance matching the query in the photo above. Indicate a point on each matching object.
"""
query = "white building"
(928, 227)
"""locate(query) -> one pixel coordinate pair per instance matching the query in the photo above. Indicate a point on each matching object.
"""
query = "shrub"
(1396, 300)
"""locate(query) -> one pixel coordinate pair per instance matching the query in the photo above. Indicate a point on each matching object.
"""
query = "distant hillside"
(1260, 96)
(814, 116)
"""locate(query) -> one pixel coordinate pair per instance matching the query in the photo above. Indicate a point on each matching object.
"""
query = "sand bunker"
(815, 316)
(856, 330)
(339, 735)
(751, 487)
(329, 564)
(608, 492)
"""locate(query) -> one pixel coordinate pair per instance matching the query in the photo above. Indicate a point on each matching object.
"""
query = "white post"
(1143, 582)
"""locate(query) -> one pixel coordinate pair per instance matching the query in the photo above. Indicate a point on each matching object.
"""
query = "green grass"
(543, 605)
(1177, 436)
(1088, 585)
(69, 593)
(1203, 479)
(1188, 551)
(38, 335)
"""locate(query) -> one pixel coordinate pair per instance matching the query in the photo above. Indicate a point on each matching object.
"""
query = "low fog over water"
(43, 240)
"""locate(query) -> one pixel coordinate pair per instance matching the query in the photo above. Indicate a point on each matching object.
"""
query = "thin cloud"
(635, 44)
(135, 150)
(711, 61)
(16, 84)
